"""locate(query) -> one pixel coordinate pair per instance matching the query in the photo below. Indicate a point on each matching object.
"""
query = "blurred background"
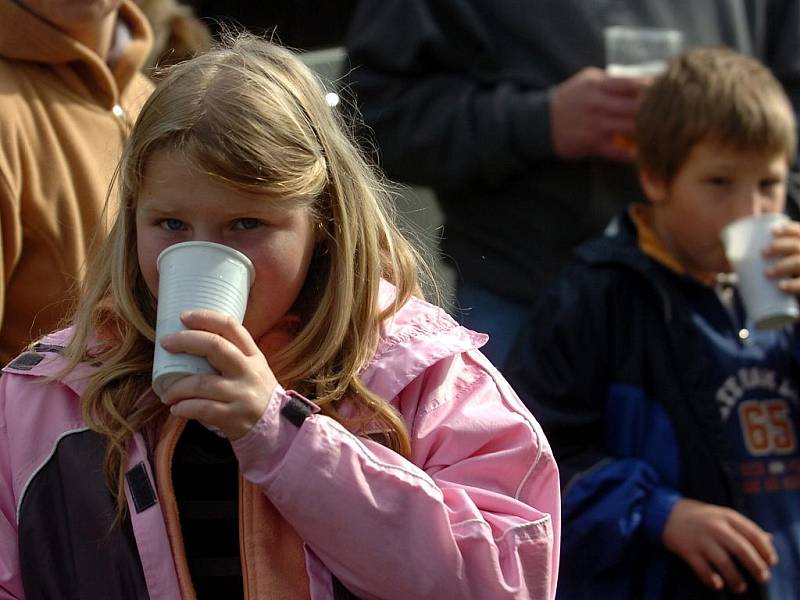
(302, 24)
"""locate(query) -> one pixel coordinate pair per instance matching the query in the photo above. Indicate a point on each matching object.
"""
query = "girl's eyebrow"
(156, 209)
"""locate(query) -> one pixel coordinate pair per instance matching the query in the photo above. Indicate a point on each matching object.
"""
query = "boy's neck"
(654, 241)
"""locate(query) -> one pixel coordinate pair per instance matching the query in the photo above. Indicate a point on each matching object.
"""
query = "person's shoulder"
(40, 358)
(414, 337)
(36, 390)
(420, 320)
(601, 285)
(581, 281)
(605, 262)
(20, 85)
(44, 358)
(14, 78)
(15, 73)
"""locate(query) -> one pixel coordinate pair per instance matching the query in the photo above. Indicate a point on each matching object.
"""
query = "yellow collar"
(654, 247)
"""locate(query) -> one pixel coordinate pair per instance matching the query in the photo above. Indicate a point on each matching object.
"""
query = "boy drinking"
(674, 425)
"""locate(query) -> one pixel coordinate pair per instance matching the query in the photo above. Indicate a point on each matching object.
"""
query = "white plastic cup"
(195, 275)
(767, 306)
(640, 51)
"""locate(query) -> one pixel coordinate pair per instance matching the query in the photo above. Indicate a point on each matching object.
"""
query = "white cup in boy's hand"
(767, 306)
(195, 275)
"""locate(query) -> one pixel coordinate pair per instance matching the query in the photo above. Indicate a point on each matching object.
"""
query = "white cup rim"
(232, 252)
(774, 217)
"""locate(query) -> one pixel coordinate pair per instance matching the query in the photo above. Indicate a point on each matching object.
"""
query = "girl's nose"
(205, 235)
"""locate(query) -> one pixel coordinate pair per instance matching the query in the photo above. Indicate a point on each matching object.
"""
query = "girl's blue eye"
(172, 224)
(247, 223)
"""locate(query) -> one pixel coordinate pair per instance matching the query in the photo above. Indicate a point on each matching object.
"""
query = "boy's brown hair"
(712, 94)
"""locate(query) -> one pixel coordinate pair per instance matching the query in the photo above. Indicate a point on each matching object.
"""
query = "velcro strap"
(26, 361)
(296, 411)
(39, 347)
(142, 492)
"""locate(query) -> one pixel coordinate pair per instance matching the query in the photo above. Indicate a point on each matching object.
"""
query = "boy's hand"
(715, 541)
(785, 248)
(234, 400)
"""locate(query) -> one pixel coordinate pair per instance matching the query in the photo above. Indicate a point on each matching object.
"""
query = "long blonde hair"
(252, 116)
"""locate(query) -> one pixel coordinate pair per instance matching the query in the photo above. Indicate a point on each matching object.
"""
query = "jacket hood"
(618, 245)
(414, 338)
(26, 37)
(44, 359)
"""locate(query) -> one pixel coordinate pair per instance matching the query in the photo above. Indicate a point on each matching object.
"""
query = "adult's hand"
(590, 113)
(716, 541)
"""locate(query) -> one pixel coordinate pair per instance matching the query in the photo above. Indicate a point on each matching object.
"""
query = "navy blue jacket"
(612, 367)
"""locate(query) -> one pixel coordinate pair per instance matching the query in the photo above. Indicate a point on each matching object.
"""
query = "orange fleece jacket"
(64, 115)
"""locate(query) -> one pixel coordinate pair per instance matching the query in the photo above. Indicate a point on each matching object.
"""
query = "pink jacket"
(473, 514)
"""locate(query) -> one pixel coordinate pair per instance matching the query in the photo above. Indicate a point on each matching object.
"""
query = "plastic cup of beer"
(639, 52)
(766, 305)
(194, 275)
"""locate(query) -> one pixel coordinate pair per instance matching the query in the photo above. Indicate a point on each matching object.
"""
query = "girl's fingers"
(222, 354)
(222, 325)
(205, 411)
(208, 386)
(228, 418)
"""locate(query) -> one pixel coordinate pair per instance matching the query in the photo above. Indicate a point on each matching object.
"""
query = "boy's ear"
(655, 187)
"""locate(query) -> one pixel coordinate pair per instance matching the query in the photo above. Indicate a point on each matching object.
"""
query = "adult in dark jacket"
(504, 109)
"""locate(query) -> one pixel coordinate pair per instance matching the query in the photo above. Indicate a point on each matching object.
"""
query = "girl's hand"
(234, 400)
(717, 542)
(785, 249)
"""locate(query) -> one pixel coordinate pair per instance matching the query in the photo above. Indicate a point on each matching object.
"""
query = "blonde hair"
(252, 116)
(712, 94)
